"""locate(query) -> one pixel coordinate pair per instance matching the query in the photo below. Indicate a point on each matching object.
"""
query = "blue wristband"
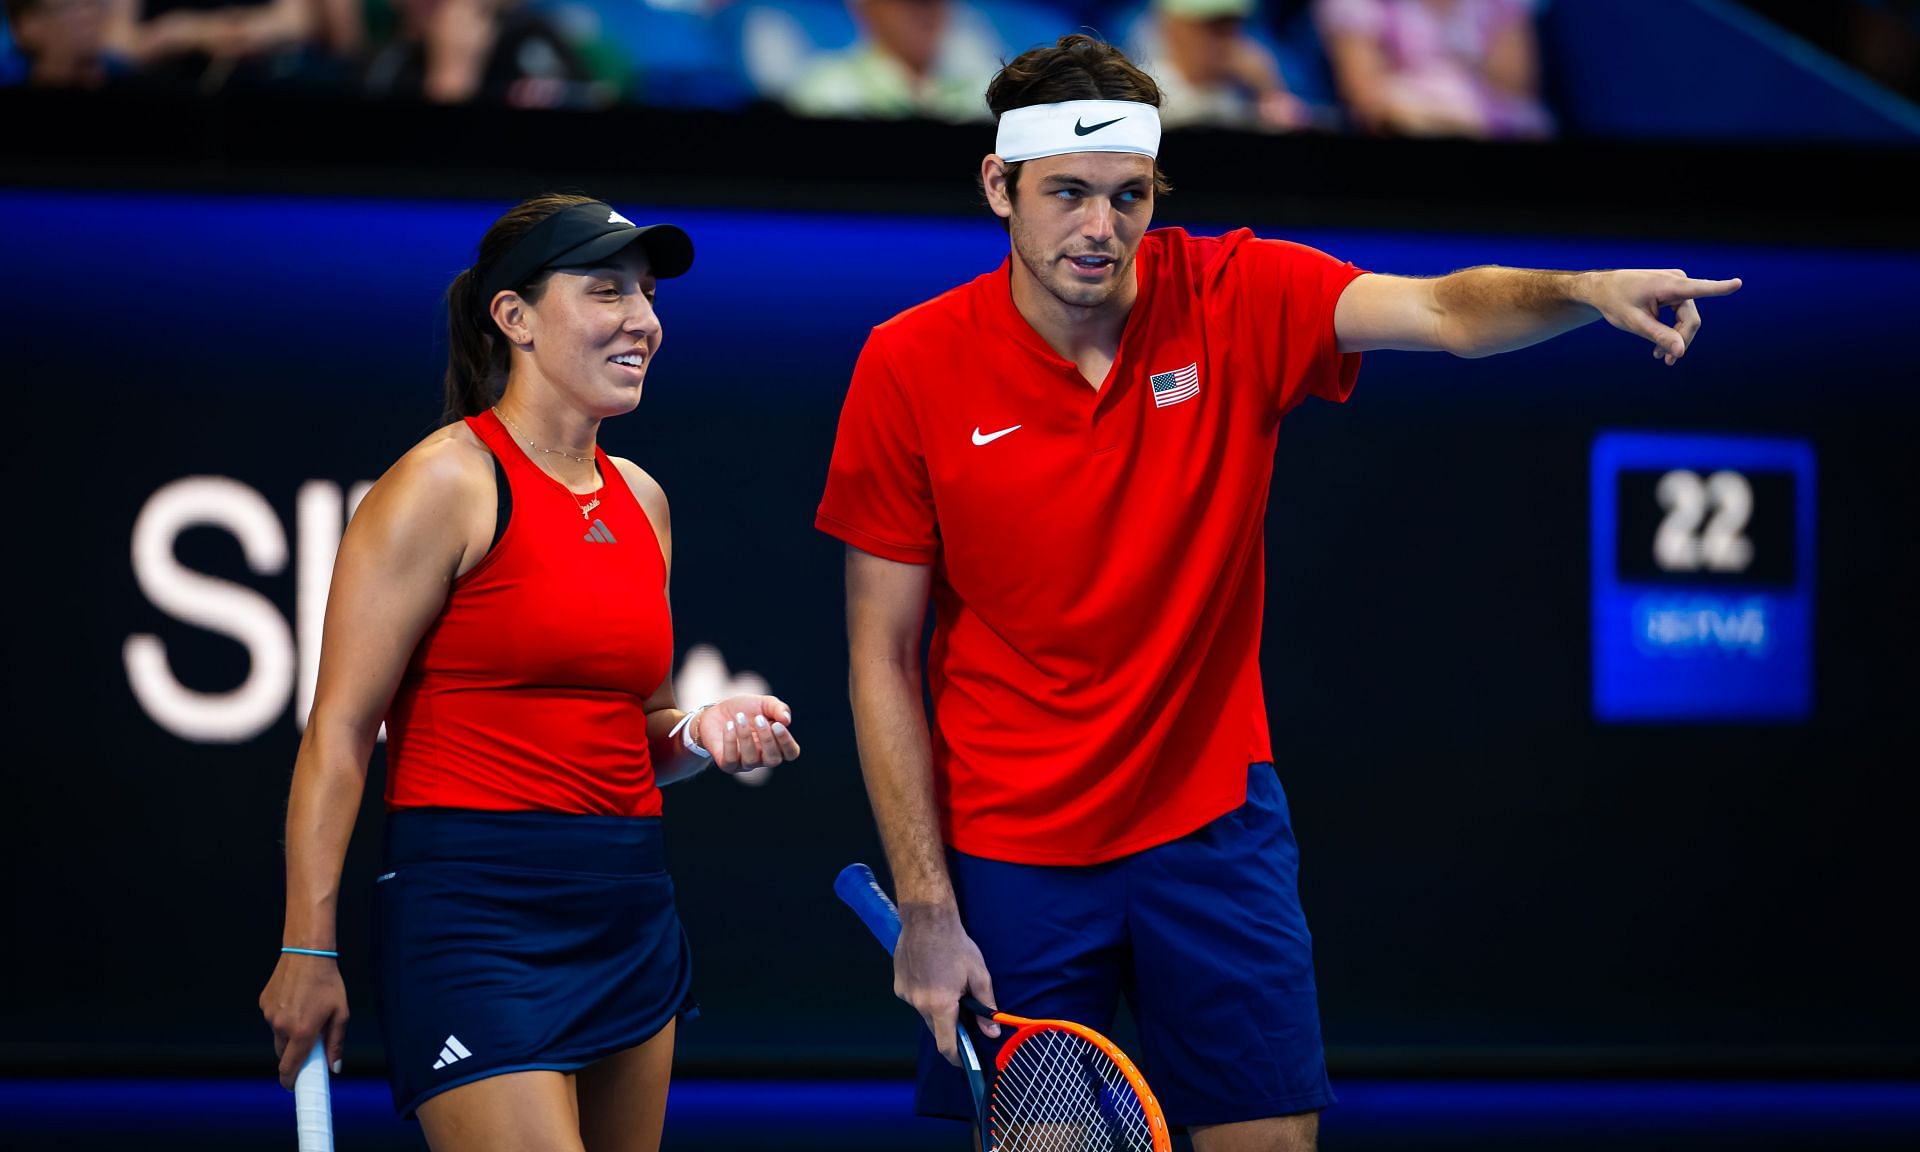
(312, 952)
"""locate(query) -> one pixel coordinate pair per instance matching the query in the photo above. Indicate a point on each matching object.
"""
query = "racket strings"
(1060, 1093)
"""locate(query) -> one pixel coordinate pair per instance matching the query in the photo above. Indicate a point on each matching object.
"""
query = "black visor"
(581, 235)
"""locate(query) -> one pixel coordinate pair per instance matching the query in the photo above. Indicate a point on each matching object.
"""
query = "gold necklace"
(536, 447)
(590, 505)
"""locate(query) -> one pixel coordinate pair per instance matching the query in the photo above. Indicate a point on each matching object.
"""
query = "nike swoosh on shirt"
(1080, 129)
(991, 436)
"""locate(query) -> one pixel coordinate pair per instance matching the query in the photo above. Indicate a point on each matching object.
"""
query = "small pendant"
(590, 506)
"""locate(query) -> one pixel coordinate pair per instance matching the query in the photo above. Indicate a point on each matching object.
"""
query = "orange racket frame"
(1025, 1028)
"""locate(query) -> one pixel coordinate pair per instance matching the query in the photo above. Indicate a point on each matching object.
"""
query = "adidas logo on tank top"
(599, 533)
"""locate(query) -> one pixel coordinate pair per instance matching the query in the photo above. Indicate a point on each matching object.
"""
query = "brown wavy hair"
(1076, 67)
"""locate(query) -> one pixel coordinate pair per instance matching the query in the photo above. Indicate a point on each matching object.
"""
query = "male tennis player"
(1071, 455)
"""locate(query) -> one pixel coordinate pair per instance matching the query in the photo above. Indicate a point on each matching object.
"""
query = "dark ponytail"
(476, 356)
(477, 352)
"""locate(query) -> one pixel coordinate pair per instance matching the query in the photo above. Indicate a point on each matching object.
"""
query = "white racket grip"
(312, 1109)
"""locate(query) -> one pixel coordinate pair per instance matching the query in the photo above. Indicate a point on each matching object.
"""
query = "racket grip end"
(312, 1106)
(857, 887)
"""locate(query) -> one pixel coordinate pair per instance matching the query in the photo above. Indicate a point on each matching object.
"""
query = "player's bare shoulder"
(437, 498)
(448, 466)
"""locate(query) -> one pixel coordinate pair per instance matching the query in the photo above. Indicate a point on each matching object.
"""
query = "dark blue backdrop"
(1490, 872)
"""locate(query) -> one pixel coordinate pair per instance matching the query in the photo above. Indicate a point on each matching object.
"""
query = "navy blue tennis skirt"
(512, 941)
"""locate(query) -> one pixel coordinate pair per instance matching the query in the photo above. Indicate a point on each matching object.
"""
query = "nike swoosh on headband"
(1036, 130)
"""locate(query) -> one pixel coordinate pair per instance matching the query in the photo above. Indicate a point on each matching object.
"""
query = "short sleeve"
(878, 497)
(1281, 296)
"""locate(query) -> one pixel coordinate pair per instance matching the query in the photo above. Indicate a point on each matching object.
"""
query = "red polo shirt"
(1098, 567)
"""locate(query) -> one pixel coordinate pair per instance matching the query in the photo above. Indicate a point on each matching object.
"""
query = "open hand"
(747, 732)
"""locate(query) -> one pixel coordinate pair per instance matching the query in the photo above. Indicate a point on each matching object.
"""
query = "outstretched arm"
(1482, 311)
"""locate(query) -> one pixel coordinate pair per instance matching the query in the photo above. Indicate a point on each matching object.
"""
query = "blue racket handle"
(859, 890)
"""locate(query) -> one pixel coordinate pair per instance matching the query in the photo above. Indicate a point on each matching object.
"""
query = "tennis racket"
(312, 1108)
(1056, 1086)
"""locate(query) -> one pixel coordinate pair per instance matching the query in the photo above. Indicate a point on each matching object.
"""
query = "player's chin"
(619, 399)
(1082, 293)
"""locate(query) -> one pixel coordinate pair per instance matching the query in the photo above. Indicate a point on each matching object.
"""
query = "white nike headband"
(1078, 126)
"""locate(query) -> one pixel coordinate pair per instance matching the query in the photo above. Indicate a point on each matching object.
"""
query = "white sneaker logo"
(452, 1052)
(616, 218)
(992, 436)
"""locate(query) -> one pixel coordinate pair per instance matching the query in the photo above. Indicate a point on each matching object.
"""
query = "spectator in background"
(496, 51)
(214, 44)
(1213, 72)
(913, 59)
(1436, 67)
(63, 43)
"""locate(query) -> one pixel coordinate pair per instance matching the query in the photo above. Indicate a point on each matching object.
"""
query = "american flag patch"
(1175, 386)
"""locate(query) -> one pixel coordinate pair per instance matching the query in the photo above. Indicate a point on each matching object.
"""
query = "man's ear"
(993, 179)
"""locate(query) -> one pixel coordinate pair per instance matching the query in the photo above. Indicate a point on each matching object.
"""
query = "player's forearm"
(328, 779)
(1483, 311)
(896, 758)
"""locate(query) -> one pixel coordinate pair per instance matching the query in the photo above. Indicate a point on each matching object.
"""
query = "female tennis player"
(500, 600)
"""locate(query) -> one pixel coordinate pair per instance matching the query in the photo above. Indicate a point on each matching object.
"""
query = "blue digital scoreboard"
(1702, 578)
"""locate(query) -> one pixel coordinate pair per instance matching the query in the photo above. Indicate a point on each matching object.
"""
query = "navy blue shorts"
(1205, 938)
(511, 941)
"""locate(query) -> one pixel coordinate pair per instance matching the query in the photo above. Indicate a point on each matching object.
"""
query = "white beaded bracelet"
(684, 730)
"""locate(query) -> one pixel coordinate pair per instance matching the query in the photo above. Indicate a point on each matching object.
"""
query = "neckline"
(1000, 287)
(601, 465)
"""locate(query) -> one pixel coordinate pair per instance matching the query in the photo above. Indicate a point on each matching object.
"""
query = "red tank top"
(527, 692)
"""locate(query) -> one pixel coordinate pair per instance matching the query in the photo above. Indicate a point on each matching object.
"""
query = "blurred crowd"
(1389, 67)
